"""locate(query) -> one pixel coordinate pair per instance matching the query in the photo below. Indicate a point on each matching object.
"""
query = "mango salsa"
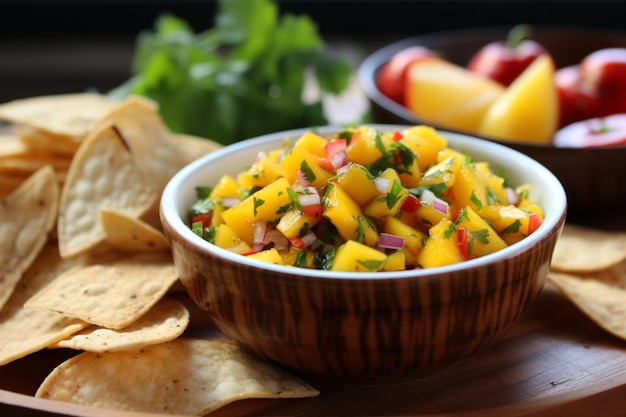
(362, 200)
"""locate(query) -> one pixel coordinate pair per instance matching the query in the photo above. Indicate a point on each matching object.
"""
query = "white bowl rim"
(170, 212)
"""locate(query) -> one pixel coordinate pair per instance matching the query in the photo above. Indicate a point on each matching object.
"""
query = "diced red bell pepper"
(464, 242)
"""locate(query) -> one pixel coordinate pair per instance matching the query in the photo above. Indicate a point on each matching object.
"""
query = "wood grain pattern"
(553, 359)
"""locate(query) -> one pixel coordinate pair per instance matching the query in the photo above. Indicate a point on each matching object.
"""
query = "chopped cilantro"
(241, 78)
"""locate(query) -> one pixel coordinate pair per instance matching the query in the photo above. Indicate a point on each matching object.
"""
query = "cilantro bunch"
(243, 77)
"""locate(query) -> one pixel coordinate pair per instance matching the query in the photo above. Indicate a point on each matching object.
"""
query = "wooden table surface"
(553, 362)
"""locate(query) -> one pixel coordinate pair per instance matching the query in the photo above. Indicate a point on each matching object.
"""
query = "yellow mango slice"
(442, 246)
(356, 257)
(528, 110)
(486, 240)
(449, 95)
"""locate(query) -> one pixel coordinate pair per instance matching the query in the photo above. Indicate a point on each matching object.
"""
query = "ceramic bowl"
(377, 327)
(592, 177)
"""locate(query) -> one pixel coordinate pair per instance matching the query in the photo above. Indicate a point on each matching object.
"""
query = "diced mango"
(341, 210)
(358, 183)
(388, 204)
(295, 223)
(363, 148)
(266, 204)
(429, 216)
(225, 237)
(312, 143)
(426, 143)
(226, 186)
(510, 222)
(301, 160)
(485, 238)
(353, 256)
(442, 246)
(413, 238)
(396, 261)
(270, 255)
(262, 172)
(469, 188)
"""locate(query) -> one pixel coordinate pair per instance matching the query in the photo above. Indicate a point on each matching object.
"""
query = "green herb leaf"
(241, 78)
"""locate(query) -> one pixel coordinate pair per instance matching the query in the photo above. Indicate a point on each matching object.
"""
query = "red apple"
(594, 88)
(503, 61)
(391, 78)
(593, 133)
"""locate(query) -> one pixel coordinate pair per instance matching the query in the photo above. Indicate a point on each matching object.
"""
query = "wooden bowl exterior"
(363, 330)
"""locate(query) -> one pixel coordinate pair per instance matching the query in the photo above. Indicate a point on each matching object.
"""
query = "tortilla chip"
(113, 293)
(103, 174)
(38, 140)
(129, 234)
(601, 298)
(24, 331)
(207, 375)
(70, 115)
(167, 320)
(27, 216)
(152, 145)
(581, 249)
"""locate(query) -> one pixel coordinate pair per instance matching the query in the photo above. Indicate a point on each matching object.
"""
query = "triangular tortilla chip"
(183, 377)
(113, 293)
(602, 298)
(130, 234)
(167, 320)
(103, 174)
(23, 330)
(69, 115)
(27, 216)
(582, 249)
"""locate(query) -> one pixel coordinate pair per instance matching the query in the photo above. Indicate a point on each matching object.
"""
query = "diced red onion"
(309, 199)
(511, 196)
(230, 201)
(302, 178)
(440, 205)
(339, 159)
(427, 197)
(344, 168)
(279, 240)
(382, 184)
(390, 241)
(260, 230)
(309, 238)
(260, 156)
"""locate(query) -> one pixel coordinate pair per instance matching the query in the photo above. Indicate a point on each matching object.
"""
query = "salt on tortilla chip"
(27, 216)
(70, 115)
(103, 173)
(113, 293)
(208, 374)
(130, 234)
(602, 299)
(23, 330)
(167, 320)
(582, 249)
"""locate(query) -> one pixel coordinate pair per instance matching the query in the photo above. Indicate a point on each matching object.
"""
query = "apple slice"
(528, 110)
(448, 95)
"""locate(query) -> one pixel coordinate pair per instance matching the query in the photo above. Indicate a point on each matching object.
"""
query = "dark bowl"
(592, 177)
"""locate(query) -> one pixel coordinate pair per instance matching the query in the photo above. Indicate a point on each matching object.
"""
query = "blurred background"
(60, 46)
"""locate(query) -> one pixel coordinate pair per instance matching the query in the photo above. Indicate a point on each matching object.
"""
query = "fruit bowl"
(592, 177)
(362, 327)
